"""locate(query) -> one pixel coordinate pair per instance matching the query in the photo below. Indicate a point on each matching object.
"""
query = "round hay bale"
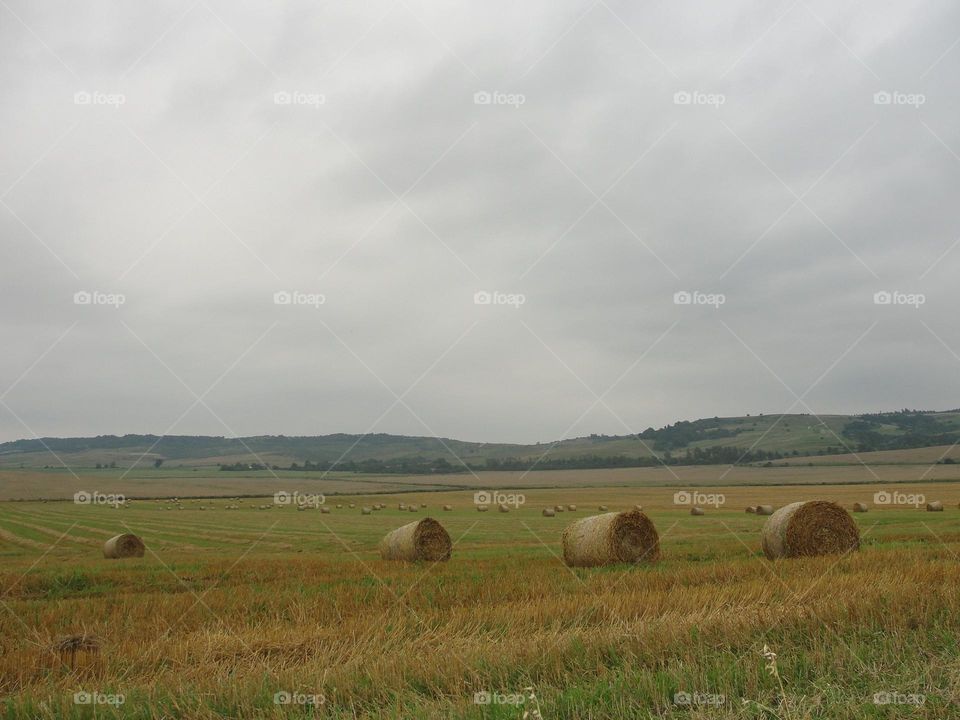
(423, 505)
(448, 508)
(572, 508)
(339, 506)
(412, 508)
(421, 540)
(859, 507)
(352, 505)
(324, 509)
(123, 546)
(934, 506)
(549, 512)
(639, 507)
(751, 509)
(625, 537)
(482, 508)
(603, 508)
(764, 509)
(366, 511)
(503, 508)
(803, 529)
(558, 508)
(696, 510)
(400, 506)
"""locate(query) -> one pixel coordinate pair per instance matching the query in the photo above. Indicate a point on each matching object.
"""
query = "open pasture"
(233, 611)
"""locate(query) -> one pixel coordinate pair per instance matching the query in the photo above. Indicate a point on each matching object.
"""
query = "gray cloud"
(597, 198)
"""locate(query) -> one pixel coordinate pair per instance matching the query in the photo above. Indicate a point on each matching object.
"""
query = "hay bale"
(603, 508)
(123, 546)
(696, 510)
(482, 508)
(558, 508)
(447, 508)
(764, 509)
(934, 506)
(366, 511)
(625, 537)
(352, 505)
(503, 508)
(421, 540)
(572, 508)
(401, 506)
(639, 507)
(859, 507)
(801, 529)
(324, 509)
(549, 512)
(751, 509)
(412, 508)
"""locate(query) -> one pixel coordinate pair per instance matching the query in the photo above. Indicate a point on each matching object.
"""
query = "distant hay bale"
(572, 508)
(639, 507)
(324, 509)
(401, 506)
(764, 509)
(423, 540)
(803, 529)
(751, 509)
(934, 506)
(859, 507)
(503, 508)
(603, 508)
(123, 546)
(559, 508)
(352, 505)
(482, 508)
(625, 537)
(696, 510)
(549, 512)
(339, 506)
(448, 508)
(412, 508)
(423, 505)
(366, 511)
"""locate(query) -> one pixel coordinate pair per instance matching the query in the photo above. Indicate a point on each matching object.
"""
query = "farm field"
(147, 483)
(228, 608)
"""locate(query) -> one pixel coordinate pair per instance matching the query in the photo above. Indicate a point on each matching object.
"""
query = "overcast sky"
(481, 215)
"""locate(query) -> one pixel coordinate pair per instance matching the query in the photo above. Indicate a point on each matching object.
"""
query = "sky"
(498, 221)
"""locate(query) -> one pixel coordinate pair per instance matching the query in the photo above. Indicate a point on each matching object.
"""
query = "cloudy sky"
(494, 221)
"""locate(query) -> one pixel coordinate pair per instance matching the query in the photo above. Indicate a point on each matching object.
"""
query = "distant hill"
(714, 440)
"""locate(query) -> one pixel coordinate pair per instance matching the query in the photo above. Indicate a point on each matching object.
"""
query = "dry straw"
(123, 546)
(934, 506)
(625, 537)
(859, 507)
(818, 527)
(764, 509)
(421, 540)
